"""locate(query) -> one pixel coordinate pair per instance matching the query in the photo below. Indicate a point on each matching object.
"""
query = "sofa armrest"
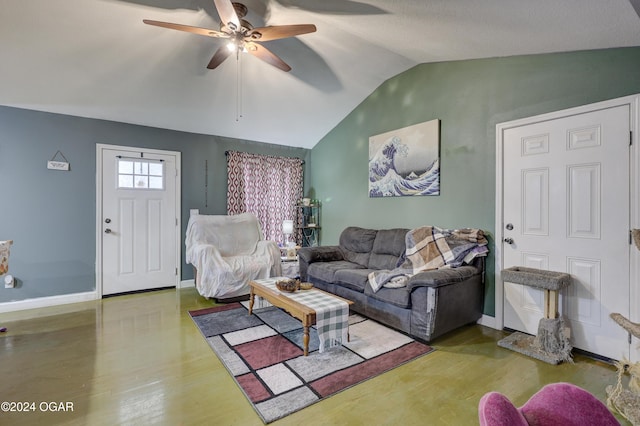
(271, 247)
(196, 252)
(442, 277)
(309, 255)
(442, 300)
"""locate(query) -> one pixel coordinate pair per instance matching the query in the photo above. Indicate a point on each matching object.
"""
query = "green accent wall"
(470, 98)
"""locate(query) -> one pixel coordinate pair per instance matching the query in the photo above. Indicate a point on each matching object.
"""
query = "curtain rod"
(227, 154)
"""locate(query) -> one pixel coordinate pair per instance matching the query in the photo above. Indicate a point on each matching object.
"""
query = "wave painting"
(405, 161)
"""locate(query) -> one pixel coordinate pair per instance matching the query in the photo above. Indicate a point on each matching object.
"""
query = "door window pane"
(125, 167)
(141, 168)
(155, 169)
(125, 181)
(156, 182)
(142, 182)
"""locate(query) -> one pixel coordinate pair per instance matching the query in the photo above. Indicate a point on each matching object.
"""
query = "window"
(267, 186)
(140, 174)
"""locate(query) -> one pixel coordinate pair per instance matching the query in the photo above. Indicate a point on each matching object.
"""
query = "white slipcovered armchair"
(227, 252)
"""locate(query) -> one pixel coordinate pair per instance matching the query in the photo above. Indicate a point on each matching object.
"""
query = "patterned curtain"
(266, 186)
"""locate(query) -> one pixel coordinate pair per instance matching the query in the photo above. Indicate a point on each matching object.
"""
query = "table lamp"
(287, 229)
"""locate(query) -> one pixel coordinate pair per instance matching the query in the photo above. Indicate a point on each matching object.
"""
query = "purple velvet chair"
(553, 405)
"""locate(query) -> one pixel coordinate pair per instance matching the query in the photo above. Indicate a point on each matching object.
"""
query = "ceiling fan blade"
(266, 55)
(187, 28)
(280, 31)
(221, 54)
(227, 14)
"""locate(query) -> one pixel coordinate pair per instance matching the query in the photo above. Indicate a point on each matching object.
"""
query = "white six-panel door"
(566, 208)
(138, 219)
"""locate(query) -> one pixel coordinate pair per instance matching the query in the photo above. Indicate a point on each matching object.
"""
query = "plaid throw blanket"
(430, 247)
(332, 314)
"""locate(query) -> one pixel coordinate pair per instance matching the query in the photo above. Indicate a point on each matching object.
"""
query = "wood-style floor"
(139, 359)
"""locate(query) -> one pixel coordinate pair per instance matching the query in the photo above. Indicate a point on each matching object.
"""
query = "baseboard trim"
(187, 283)
(487, 321)
(45, 302)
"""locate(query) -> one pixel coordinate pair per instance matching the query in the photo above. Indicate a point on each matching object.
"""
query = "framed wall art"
(405, 162)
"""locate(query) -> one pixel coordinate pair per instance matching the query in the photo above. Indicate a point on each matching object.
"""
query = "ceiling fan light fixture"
(240, 34)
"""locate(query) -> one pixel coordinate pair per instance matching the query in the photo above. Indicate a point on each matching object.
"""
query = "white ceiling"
(95, 58)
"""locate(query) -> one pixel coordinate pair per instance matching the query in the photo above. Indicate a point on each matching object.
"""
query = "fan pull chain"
(238, 85)
(206, 183)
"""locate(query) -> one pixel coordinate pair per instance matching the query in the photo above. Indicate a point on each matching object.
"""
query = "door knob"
(107, 231)
(508, 240)
(107, 220)
(509, 226)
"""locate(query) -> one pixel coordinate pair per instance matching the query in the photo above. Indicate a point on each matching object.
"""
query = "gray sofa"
(432, 303)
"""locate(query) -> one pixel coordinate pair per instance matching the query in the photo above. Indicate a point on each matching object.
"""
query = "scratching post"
(4, 256)
(636, 237)
(551, 344)
(626, 401)
(4, 263)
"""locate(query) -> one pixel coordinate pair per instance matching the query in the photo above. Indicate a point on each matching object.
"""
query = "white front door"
(138, 219)
(566, 208)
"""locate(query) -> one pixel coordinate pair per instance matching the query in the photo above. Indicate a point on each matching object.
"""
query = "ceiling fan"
(241, 34)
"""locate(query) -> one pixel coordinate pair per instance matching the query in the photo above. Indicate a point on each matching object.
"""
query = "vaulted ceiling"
(95, 58)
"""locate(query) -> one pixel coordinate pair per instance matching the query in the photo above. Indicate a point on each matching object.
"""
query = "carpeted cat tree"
(4, 256)
(4, 263)
(627, 401)
(551, 344)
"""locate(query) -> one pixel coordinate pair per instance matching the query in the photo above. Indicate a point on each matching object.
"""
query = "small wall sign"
(57, 165)
(54, 164)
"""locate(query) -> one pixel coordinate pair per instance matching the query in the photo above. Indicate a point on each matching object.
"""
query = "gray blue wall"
(50, 215)
(470, 98)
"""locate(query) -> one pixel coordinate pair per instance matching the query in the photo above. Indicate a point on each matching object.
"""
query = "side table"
(290, 267)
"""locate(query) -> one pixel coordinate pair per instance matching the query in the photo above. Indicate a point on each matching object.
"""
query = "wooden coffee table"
(297, 310)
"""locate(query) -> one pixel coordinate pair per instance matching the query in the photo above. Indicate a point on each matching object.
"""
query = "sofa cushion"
(354, 279)
(388, 247)
(400, 297)
(356, 244)
(326, 271)
(320, 254)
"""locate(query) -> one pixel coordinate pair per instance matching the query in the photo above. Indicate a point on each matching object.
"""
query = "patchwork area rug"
(263, 352)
